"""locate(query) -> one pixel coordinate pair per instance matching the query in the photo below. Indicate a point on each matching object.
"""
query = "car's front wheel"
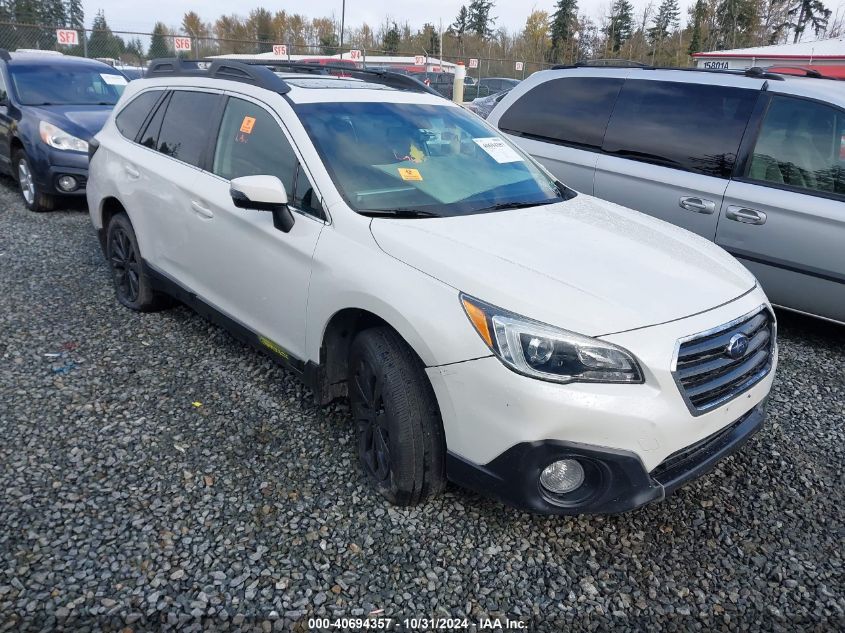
(131, 282)
(33, 197)
(401, 445)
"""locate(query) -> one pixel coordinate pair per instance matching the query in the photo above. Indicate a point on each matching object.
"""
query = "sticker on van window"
(114, 80)
(407, 173)
(498, 150)
(247, 124)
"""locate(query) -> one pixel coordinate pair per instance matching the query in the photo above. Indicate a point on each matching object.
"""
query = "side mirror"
(263, 193)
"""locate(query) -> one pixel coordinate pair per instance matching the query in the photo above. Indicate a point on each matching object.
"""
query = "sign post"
(67, 37)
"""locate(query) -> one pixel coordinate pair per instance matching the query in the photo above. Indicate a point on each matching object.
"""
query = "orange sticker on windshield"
(409, 174)
(247, 124)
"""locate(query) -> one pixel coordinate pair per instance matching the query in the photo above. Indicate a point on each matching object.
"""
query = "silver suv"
(753, 160)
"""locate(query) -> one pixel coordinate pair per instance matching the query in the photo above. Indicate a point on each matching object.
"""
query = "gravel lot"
(126, 502)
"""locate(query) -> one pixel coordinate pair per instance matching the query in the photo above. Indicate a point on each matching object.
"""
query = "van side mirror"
(263, 193)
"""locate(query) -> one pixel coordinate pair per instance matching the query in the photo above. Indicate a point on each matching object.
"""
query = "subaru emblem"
(737, 346)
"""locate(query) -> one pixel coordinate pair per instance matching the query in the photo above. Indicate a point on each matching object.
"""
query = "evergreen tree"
(431, 39)
(392, 39)
(53, 13)
(812, 12)
(564, 21)
(621, 24)
(479, 20)
(459, 27)
(699, 13)
(75, 14)
(158, 42)
(665, 21)
(104, 43)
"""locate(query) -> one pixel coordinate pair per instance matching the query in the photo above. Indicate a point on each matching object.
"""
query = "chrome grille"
(709, 375)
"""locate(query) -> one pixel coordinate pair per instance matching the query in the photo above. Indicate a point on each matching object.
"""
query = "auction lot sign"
(182, 44)
(67, 37)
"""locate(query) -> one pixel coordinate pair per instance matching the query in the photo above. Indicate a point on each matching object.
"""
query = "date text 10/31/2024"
(416, 624)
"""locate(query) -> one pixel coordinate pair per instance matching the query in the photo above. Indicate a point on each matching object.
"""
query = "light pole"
(342, 20)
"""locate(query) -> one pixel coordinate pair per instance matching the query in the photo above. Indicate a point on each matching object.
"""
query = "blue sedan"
(51, 106)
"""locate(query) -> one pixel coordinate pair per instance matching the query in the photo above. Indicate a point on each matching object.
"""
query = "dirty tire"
(131, 282)
(401, 446)
(32, 197)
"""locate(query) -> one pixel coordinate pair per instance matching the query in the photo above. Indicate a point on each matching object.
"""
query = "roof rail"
(4, 55)
(610, 62)
(807, 72)
(260, 72)
(756, 72)
(217, 69)
(383, 77)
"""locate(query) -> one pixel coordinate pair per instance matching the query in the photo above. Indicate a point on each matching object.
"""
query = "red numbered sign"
(355, 54)
(280, 50)
(419, 60)
(67, 37)
(473, 63)
(182, 43)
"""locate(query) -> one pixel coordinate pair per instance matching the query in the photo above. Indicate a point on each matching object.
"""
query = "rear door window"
(184, 131)
(132, 117)
(802, 145)
(693, 127)
(571, 111)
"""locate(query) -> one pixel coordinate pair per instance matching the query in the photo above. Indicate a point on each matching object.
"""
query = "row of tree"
(654, 34)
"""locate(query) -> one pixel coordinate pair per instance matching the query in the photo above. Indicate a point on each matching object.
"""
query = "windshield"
(54, 85)
(438, 160)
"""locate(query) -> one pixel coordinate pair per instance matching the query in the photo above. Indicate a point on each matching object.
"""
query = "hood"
(585, 265)
(83, 121)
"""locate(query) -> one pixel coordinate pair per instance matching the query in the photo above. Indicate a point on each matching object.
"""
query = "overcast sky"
(140, 16)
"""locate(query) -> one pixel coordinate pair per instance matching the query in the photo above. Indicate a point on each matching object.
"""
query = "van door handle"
(745, 215)
(699, 205)
(201, 210)
(133, 173)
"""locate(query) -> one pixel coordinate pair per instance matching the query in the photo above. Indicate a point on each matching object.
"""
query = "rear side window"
(694, 127)
(571, 111)
(802, 145)
(132, 117)
(184, 131)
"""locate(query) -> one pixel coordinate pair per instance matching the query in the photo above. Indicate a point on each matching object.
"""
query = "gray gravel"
(126, 502)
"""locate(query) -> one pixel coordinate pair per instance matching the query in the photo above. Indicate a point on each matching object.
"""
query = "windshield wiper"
(502, 206)
(398, 213)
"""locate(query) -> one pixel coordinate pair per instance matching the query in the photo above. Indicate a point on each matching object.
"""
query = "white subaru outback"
(488, 324)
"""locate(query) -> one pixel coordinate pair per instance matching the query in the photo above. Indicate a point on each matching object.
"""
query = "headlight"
(549, 353)
(58, 138)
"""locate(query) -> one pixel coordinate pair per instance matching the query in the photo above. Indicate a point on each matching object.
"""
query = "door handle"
(133, 173)
(699, 205)
(745, 215)
(201, 210)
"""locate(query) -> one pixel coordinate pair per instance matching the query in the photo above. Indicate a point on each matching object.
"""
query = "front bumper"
(616, 479)
(52, 164)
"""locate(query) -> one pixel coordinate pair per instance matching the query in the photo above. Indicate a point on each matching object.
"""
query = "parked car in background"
(754, 161)
(444, 83)
(487, 323)
(482, 106)
(487, 86)
(50, 107)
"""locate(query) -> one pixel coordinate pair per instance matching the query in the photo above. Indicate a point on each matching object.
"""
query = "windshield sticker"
(247, 124)
(407, 173)
(114, 80)
(498, 150)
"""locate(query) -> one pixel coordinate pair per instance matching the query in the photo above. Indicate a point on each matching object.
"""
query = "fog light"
(562, 476)
(67, 183)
